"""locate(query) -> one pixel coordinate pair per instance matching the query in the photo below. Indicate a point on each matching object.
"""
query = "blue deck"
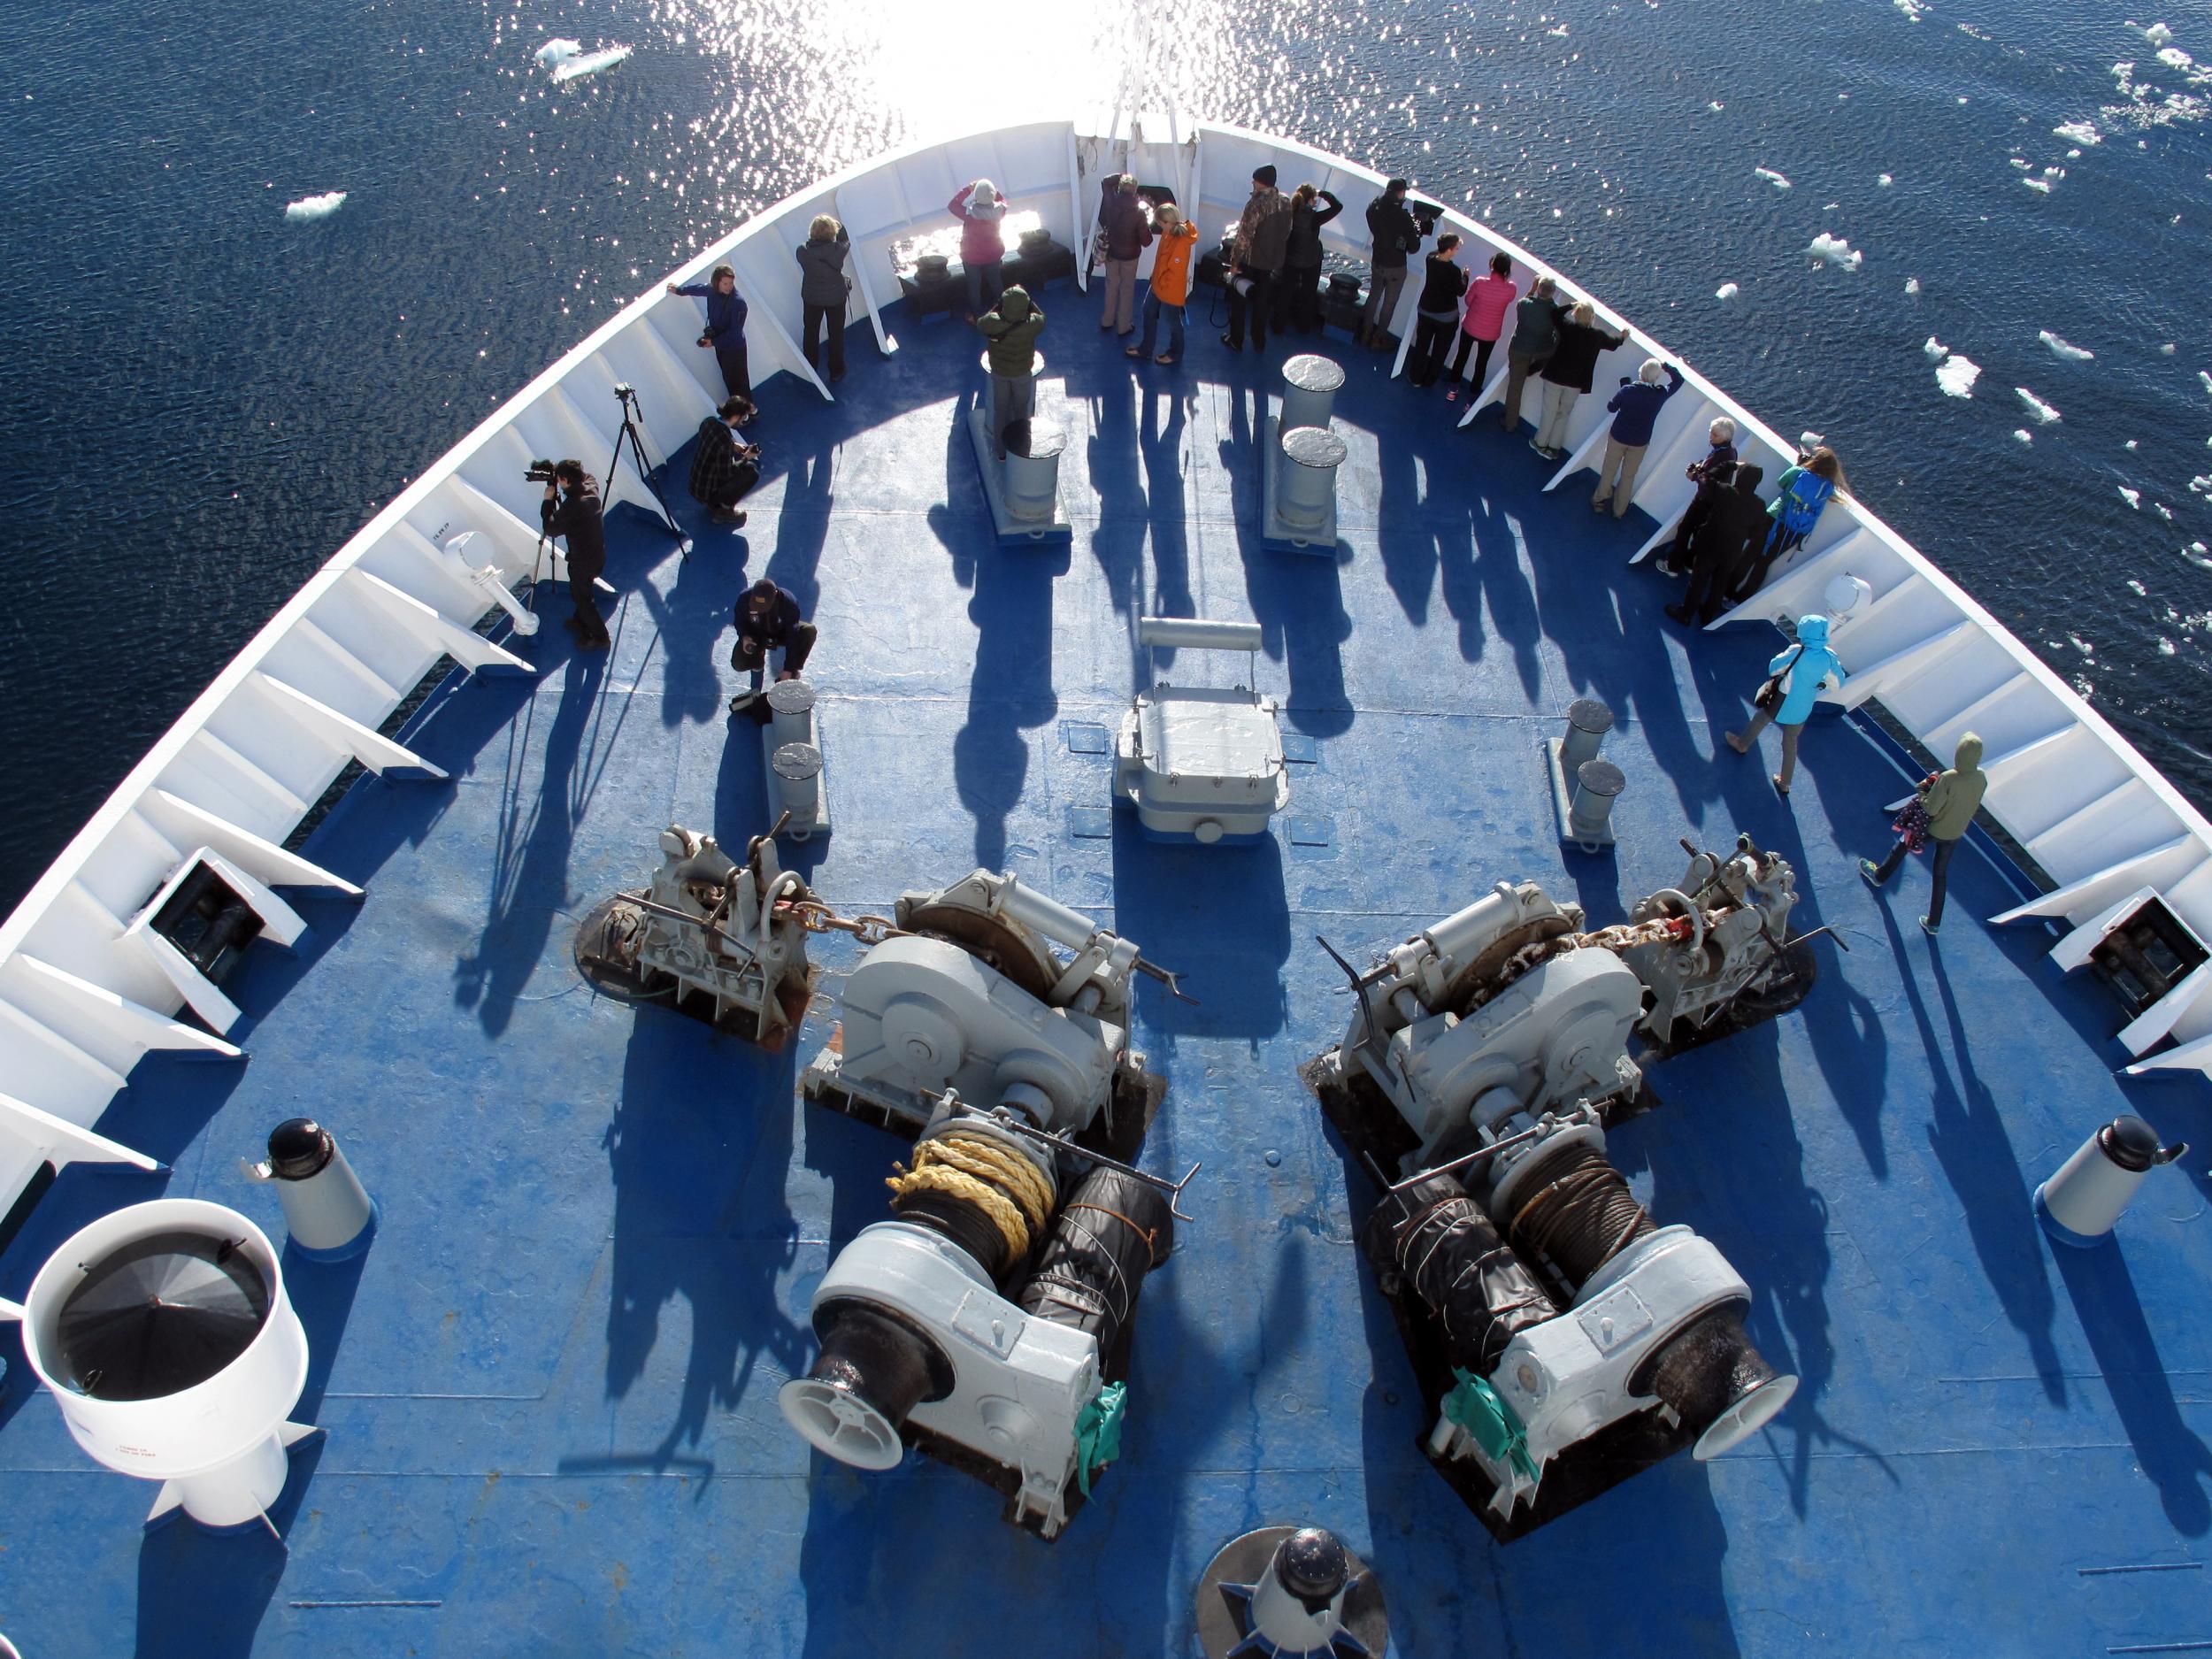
(550, 1387)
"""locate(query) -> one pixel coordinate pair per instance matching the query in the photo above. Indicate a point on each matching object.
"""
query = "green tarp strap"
(1098, 1432)
(1475, 1406)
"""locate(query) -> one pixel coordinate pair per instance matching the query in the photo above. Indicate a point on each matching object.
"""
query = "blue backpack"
(1802, 500)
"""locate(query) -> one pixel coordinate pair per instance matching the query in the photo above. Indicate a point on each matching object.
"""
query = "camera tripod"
(627, 396)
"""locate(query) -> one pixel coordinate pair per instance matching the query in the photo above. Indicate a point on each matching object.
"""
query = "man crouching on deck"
(768, 619)
(571, 509)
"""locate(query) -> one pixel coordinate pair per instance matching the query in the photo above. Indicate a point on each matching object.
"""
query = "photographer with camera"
(1128, 229)
(726, 326)
(768, 619)
(1398, 230)
(723, 466)
(1255, 259)
(571, 509)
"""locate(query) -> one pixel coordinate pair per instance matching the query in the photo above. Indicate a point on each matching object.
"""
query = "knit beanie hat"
(1264, 175)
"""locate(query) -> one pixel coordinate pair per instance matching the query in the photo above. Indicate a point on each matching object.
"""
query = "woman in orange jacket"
(1171, 283)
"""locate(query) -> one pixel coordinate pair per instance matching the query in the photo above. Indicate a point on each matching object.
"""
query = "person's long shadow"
(1111, 459)
(1160, 443)
(710, 1223)
(2171, 1453)
(1011, 691)
(1967, 1135)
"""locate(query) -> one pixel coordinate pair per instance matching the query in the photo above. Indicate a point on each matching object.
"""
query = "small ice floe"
(2129, 445)
(1936, 349)
(2043, 412)
(2080, 644)
(1834, 251)
(2162, 510)
(1956, 375)
(1772, 178)
(2023, 434)
(1912, 285)
(2042, 186)
(2201, 485)
(2134, 498)
(1726, 291)
(2083, 133)
(1884, 181)
(559, 50)
(310, 208)
(1559, 33)
(2196, 553)
(2141, 592)
(2064, 349)
(2174, 58)
(2157, 34)
(589, 63)
(1714, 106)
(2166, 351)
(2165, 646)
(2023, 162)
(1914, 9)
(2206, 378)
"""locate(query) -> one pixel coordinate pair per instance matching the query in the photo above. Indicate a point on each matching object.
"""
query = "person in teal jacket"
(1800, 670)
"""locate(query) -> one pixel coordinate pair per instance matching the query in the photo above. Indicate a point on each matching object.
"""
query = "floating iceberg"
(1914, 9)
(589, 63)
(2082, 133)
(309, 208)
(2023, 434)
(2158, 35)
(1772, 178)
(2206, 378)
(1912, 285)
(1726, 291)
(2134, 498)
(2062, 348)
(2042, 412)
(1834, 251)
(558, 50)
(1956, 375)
(1884, 181)
(1936, 349)
(2043, 185)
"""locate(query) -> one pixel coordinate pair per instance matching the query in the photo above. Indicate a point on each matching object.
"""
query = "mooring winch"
(1564, 1339)
(988, 1323)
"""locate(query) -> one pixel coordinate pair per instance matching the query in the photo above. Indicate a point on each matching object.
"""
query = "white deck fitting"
(243, 764)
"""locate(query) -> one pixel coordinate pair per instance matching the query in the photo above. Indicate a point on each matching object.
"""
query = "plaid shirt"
(716, 474)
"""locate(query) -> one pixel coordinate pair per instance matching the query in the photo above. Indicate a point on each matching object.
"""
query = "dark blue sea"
(201, 399)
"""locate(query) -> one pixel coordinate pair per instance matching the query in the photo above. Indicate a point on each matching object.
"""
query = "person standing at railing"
(1255, 259)
(1298, 302)
(981, 212)
(824, 288)
(1730, 531)
(1170, 289)
(1801, 494)
(1940, 812)
(1012, 331)
(1635, 408)
(1443, 289)
(1488, 300)
(571, 510)
(726, 326)
(1567, 375)
(1793, 682)
(1391, 224)
(1128, 234)
(1536, 321)
(1710, 473)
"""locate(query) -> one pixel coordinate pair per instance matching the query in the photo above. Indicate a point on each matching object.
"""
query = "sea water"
(205, 393)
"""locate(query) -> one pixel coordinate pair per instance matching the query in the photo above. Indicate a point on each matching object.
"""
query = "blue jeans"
(1153, 308)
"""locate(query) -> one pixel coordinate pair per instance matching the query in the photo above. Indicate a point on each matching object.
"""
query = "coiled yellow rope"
(996, 1178)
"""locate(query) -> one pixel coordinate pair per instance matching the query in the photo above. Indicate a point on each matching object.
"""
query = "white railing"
(85, 991)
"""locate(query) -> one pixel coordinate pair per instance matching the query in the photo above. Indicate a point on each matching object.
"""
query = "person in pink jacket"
(1489, 302)
(979, 208)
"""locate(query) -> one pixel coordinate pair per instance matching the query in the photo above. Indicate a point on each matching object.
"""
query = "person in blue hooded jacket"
(1798, 672)
(725, 331)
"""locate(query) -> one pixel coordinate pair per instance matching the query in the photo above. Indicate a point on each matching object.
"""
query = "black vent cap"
(298, 1148)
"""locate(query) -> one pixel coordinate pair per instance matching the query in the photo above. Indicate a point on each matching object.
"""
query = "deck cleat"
(1563, 1341)
(712, 937)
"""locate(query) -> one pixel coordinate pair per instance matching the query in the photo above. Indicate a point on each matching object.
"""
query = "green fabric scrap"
(1475, 1406)
(1098, 1432)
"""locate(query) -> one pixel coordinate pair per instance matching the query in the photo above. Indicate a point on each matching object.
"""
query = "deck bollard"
(1033, 448)
(1309, 388)
(2079, 1204)
(1598, 784)
(326, 1211)
(1306, 478)
(1588, 720)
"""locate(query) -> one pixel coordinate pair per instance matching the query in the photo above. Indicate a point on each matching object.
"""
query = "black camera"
(1426, 214)
(541, 472)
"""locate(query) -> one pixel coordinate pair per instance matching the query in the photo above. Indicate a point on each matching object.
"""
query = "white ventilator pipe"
(2082, 1202)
